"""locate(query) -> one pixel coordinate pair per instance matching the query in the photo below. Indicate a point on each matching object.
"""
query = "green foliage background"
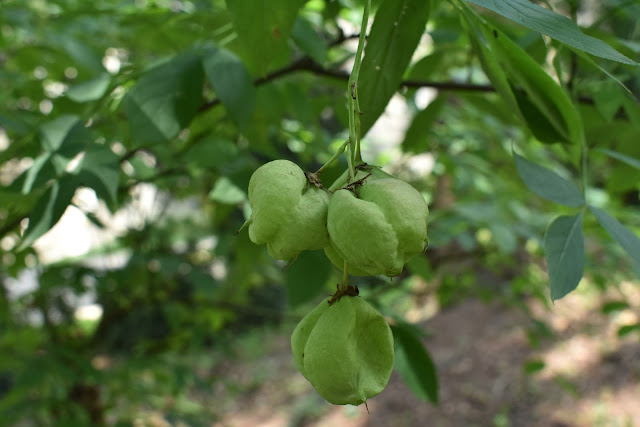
(188, 98)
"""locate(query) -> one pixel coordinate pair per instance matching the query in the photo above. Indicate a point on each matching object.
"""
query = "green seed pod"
(345, 350)
(285, 216)
(379, 231)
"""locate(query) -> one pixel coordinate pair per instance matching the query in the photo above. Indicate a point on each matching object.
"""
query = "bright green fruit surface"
(345, 350)
(285, 216)
(377, 232)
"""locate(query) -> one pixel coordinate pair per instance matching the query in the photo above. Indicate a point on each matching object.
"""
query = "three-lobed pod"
(375, 224)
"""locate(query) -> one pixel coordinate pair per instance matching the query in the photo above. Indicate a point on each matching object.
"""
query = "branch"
(308, 64)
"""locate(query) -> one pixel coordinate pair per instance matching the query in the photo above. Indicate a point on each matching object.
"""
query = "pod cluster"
(374, 223)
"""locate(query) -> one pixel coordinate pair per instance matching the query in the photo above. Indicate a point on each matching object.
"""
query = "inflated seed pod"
(379, 229)
(345, 350)
(287, 214)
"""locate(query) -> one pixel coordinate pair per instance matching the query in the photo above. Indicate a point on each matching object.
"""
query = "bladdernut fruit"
(345, 350)
(378, 230)
(288, 214)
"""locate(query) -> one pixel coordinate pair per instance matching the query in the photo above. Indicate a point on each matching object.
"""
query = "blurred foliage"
(148, 117)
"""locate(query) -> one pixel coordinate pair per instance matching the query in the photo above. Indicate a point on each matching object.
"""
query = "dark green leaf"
(100, 170)
(232, 84)
(307, 277)
(395, 33)
(621, 234)
(414, 364)
(49, 209)
(307, 39)
(212, 153)
(41, 171)
(627, 329)
(416, 138)
(533, 366)
(542, 91)
(612, 306)
(554, 25)
(263, 28)
(546, 183)
(564, 250)
(631, 161)
(66, 134)
(90, 90)
(165, 100)
(541, 128)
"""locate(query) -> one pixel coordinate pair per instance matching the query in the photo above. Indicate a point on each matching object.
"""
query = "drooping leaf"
(543, 92)
(547, 184)
(533, 366)
(564, 250)
(308, 40)
(90, 90)
(395, 33)
(165, 100)
(263, 28)
(413, 363)
(631, 161)
(554, 25)
(232, 83)
(62, 139)
(65, 134)
(49, 209)
(416, 138)
(225, 191)
(627, 329)
(532, 94)
(212, 153)
(613, 306)
(621, 234)
(100, 170)
(307, 277)
(488, 59)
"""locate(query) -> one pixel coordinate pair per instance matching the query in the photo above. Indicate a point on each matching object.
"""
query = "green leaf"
(41, 171)
(533, 366)
(621, 234)
(263, 28)
(627, 329)
(416, 138)
(90, 90)
(564, 249)
(232, 83)
(395, 33)
(414, 364)
(308, 40)
(212, 152)
(547, 184)
(542, 91)
(613, 306)
(554, 25)
(165, 99)
(488, 59)
(65, 134)
(227, 192)
(100, 170)
(631, 161)
(307, 277)
(49, 209)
